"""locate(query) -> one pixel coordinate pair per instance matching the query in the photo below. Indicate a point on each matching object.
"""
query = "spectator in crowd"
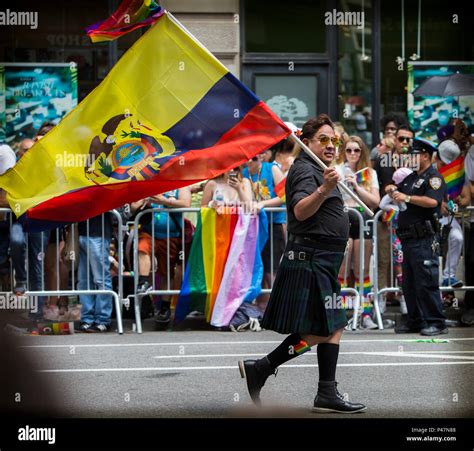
(355, 156)
(54, 279)
(284, 154)
(465, 140)
(7, 161)
(448, 151)
(390, 123)
(37, 243)
(389, 218)
(24, 145)
(342, 135)
(385, 165)
(95, 236)
(267, 156)
(263, 178)
(180, 198)
(229, 188)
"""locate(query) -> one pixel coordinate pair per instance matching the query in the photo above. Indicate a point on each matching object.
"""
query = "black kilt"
(302, 289)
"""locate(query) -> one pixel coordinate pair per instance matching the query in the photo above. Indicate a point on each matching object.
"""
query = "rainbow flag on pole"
(280, 190)
(130, 15)
(225, 265)
(168, 115)
(362, 176)
(453, 174)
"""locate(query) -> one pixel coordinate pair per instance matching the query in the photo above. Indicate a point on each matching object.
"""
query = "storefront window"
(355, 69)
(60, 37)
(445, 32)
(285, 27)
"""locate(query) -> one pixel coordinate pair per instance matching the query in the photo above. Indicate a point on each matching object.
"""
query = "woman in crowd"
(229, 188)
(355, 171)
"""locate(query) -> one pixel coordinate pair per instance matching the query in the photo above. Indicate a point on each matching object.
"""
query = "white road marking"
(314, 354)
(234, 367)
(201, 343)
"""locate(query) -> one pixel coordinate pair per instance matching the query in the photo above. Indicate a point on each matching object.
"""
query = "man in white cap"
(448, 151)
(7, 158)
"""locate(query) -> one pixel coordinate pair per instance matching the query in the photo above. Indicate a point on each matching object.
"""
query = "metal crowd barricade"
(154, 291)
(117, 296)
(170, 291)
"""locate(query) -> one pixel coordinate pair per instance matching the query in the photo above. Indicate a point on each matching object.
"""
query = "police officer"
(422, 191)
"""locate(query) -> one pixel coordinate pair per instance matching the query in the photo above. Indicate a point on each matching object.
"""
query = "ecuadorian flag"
(168, 114)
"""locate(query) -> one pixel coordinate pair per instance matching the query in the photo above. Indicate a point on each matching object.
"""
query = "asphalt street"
(195, 374)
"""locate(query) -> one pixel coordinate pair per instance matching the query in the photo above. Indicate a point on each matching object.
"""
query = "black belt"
(325, 244)
(418, 230)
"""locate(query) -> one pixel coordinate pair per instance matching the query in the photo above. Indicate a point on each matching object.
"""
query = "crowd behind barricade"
(42, 261)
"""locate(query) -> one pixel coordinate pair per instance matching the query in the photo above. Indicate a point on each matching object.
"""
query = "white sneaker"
(368, 323)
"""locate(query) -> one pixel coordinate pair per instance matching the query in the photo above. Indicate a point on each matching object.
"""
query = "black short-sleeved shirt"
(330, 220)
(430, 183)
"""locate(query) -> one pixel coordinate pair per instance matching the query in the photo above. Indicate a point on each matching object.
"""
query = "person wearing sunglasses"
(300, 304)
(355, 156)
(390, 123)
(385, 165)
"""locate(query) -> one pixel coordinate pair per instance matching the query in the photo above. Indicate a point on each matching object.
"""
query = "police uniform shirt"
(330, 220)
(430, 184)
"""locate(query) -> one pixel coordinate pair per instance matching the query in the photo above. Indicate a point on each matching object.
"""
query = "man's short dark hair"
(46, 126)
(313, 124)
(407, 128)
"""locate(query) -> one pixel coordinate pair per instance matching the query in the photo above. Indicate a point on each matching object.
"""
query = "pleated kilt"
(305, 293)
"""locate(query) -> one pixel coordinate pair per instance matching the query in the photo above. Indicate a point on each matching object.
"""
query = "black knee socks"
(291, 347)
(327, 361)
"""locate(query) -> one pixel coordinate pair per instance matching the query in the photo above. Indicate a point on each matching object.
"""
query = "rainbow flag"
(390, 215)
(168, 115)
(225, 265)
(302, 347)
(280, 190)
(363, 175)
(130, 15)
(453, 174)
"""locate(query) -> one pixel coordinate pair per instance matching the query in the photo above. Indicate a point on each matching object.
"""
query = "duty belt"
(418, 230)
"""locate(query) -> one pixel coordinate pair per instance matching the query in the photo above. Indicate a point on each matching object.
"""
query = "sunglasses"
(324, 140)
(255, 158)
(404, 139)
(353, 150)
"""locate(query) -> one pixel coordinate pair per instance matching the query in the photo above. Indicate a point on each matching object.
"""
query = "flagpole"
(341, 185)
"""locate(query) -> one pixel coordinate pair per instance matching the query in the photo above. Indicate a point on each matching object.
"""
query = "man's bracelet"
(321, 193)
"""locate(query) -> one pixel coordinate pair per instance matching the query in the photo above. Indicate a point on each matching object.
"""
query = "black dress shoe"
(433, 330)
(329, 399)
(256, 373)
(406, 329)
